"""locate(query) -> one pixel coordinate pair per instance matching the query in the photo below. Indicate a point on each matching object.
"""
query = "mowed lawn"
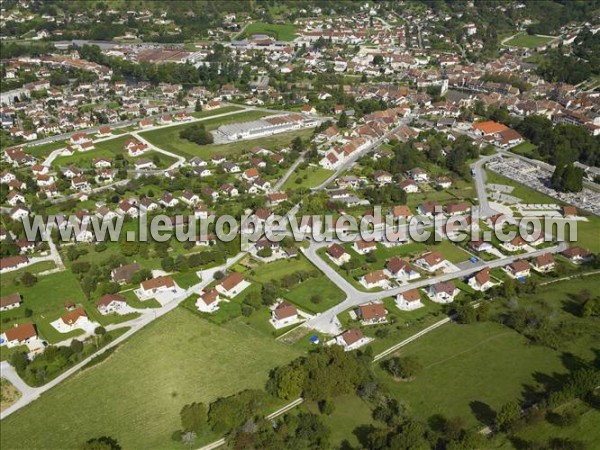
(281, 32)
(464, 364)
(310, 177)
(528, 40)
(168, 138)
(135, 396)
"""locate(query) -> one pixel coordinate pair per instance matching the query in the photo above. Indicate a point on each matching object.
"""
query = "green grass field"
(136, 394)
(310, 177)
(168, 138)
(43, 150)
(525, 148)
(215, 112)
(285, 32)
(465, 364)
(528, 41)
(301, 293)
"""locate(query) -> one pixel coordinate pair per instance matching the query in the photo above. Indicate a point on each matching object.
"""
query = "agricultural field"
(283, 32)
(136, 394)
(528, 40)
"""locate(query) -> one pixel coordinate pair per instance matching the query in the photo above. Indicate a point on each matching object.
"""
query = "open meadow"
(136, 394)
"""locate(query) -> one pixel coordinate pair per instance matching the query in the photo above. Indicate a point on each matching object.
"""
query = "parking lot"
(539, 179)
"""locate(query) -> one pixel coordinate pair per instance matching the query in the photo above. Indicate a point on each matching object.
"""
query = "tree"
(197, 133)
(327, 407)
(198, 106)
(28, 279)
(167, 264)
(286, 382)
(508, 416)
(343, 120)
(316, 299)
(194, 417)
(101, 443)
(76, 346)
(406, 367)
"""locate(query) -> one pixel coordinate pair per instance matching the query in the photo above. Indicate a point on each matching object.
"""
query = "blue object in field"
(521, 279)
(474, 259)
(314, 339)
(1, 341)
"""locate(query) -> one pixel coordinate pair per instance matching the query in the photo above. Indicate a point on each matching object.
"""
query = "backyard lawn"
(46, 300)
(136, 394)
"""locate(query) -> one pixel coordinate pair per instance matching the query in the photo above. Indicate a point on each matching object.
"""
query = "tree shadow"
(572, 305)
(362, 433)
(573, 362)
(437, 422)
(483, 412)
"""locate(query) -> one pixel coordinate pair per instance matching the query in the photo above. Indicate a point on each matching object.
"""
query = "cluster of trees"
(558, 66)
(321, 375)
(405, 368)
(567, 178)
(181, 263)
(588, 305)
(54, 360)
(274, 289)
(197, 133)
(560, 144)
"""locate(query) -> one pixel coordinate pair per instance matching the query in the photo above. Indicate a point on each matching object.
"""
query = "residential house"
(519, 269)
(10, 301)
(372, 313)
(284, 314)
(337, 254)
(208, 302)
(578, 255)
(409, 300)
(351, 339)
(153, 286)
(481, 281)
(11, 263)
(398, 268)
(442, 292)
(432, 261)
(374, 279)
(232, 285)
(544, 263)
(363, 247)
(20, 335)
(111, 304)
(124, 273)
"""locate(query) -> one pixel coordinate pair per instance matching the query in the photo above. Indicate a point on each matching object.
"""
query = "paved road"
(29, 394)
(484, 206)
(327, 321)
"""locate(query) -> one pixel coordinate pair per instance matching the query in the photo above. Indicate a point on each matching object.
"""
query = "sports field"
(281, 32)
(528, 40)
(136, 394)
